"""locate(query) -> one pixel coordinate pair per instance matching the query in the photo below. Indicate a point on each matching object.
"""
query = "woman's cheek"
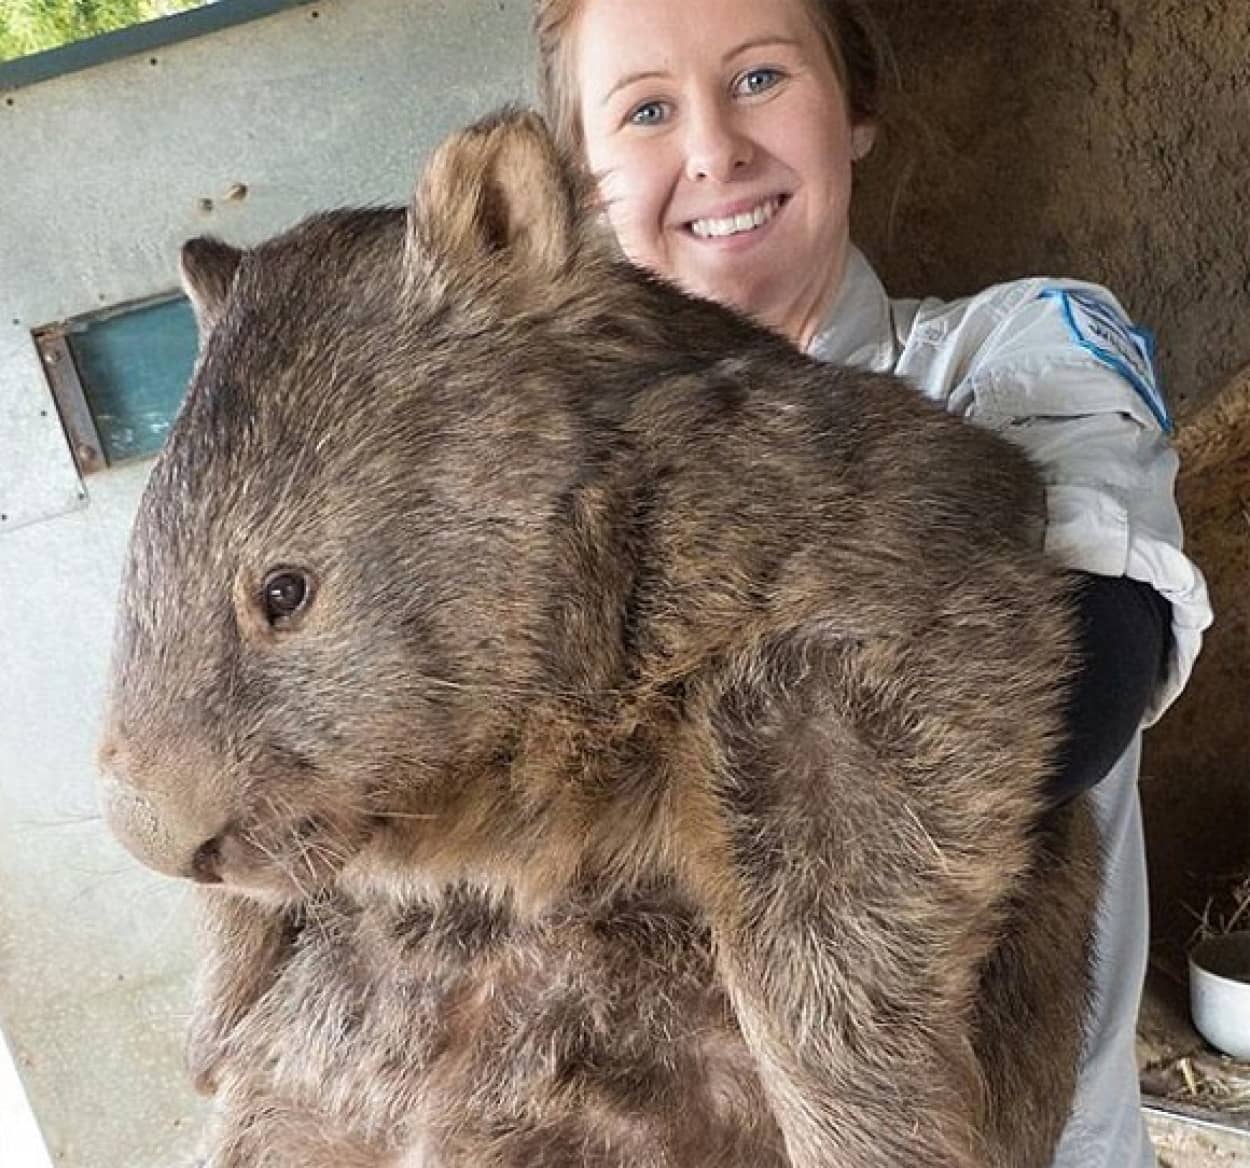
(635, 222)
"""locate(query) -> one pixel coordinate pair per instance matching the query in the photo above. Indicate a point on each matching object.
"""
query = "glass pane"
(134, 368)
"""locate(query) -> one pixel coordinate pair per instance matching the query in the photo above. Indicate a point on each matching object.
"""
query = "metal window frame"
(65, 382)
(71, 398)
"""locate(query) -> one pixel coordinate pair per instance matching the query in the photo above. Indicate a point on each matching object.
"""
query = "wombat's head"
(343, 566)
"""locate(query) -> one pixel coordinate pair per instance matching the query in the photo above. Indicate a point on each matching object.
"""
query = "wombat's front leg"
(859, 1075)
(242, 944)
(852, 912)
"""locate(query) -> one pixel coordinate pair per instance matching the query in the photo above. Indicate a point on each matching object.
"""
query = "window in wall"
(119, 377)
(34, 26)
(48, 38)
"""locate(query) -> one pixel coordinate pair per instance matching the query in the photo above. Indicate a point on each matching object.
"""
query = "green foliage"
(30, 26)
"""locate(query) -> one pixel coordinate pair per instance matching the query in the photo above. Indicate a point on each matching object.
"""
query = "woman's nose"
(715, 146)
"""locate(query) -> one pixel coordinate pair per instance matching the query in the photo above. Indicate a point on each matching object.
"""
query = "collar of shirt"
(859, 329)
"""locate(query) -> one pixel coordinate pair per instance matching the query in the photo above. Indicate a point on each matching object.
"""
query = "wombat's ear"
(208, 267)
(498, 189)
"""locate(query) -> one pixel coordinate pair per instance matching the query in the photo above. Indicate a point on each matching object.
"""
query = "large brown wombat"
(603, 735)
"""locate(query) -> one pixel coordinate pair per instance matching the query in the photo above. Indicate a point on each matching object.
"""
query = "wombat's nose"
(158, 828)
(164, 800)
(206, 863)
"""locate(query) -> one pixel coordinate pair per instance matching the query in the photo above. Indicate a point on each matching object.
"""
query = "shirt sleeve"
(1064, 375)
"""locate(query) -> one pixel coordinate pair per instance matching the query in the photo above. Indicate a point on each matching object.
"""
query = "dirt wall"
(1106, 139)
(1196, 767)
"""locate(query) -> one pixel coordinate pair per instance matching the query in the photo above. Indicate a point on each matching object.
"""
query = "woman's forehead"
(616, 40)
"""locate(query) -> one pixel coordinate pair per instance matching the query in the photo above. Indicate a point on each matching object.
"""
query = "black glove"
(1124, 638)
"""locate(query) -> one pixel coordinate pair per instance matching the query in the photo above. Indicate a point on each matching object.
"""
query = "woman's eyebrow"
(761, 42)
(629, 79)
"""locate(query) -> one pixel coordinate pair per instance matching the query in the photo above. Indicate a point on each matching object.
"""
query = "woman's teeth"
(735, 224)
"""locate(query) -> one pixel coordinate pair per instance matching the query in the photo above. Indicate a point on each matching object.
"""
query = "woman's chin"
(723, 288)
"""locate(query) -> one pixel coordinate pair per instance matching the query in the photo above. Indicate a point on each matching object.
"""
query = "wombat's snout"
(170, 827)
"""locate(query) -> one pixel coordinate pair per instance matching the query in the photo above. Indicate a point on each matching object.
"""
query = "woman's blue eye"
(758, 80)
(649, 114)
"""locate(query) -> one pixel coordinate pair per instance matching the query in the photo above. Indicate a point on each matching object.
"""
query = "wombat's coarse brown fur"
(603, 735)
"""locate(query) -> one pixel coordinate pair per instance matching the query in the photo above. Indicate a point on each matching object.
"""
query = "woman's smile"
(744, 219)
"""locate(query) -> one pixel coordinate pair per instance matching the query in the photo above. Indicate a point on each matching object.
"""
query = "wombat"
(601, 735)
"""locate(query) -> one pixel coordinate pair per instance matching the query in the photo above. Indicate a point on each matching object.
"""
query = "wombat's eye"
(284, 594)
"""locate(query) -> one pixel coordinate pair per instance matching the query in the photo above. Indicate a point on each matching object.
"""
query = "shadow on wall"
(1107, 141)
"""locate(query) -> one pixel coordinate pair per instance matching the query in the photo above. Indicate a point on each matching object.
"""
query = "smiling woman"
(725, 161)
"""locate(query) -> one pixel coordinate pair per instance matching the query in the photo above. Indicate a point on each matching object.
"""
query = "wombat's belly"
(453, 1036)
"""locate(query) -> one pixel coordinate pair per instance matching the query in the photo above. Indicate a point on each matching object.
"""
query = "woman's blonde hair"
(855, 45)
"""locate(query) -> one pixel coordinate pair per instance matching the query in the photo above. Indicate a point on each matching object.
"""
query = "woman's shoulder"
(1039, 310)
(1052, 341)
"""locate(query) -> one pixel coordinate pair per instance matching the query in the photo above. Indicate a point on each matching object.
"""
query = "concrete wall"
(105, 173)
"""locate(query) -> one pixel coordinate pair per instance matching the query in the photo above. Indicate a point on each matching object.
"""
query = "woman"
(721, 135)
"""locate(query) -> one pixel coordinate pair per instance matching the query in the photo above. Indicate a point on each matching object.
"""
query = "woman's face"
(721, 142)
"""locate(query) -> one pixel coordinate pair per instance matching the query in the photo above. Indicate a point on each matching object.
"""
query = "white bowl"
(1219, 992)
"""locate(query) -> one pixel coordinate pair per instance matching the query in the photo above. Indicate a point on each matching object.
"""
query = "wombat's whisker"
(271, 852)
(63, 820)
(524, 693)
(303, 855)
(325, 849)
(254, 841)
(278, 810)
(292, 854)
(304, 893)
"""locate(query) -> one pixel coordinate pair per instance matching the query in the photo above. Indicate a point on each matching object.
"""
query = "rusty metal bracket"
(71, 401)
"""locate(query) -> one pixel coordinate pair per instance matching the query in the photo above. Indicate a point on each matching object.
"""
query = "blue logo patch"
(1100, 330)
